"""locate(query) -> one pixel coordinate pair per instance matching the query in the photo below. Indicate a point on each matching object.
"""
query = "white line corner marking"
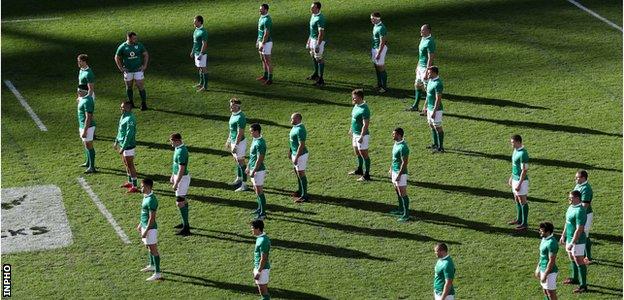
(23, 102)
(103, 210)
(599, 17)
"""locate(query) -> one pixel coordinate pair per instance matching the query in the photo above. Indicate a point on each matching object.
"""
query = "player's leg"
(440, 134)
(258, 182)
(264, 291)
(153, 248)
(367, 164)
(128, 80)
(129, 157)
(128, 183)
(201, 78)
(204, 71)
(551, 294)
(360, 159)
(265, 74)
(402, 189)
(140, 83)
(434, 132)
(588, 244)
(524, 205)
(268, 68)
(91, 156)
(516, 201)
(579, 260)
(320, 61)
(383, 75)
(315, 75)
(574, 270)
(399, 210)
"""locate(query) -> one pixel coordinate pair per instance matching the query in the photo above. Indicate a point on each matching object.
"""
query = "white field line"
(22, 101)
(599, 17)
(31, 20)
(103, 210)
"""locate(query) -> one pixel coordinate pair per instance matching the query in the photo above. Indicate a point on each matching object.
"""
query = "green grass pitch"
(543, 69)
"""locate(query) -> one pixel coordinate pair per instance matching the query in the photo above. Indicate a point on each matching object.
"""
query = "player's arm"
(438, 100)
(430, 57)
(119, 64)
(88, 119)
(404, 161)
(585, 201)
(258, 163)
(300, 149)
(577, 233)
(537, 271)
(265, 37)
(365, 123)
(90, 88)
(321, 36)
(204, 47)
(239, 135)
(563, 234)
(552, 258)
(525, 167)
(178, 176)
(150, 222)
(448, 283)
(145, 60)
(382, 44)
(263, 259)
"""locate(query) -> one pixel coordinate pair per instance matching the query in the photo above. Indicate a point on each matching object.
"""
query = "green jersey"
(265, 23)
(548, 247)
(86, 76)
(359, 113)
(297, 135)
(444, 269)
(199, 35)
(149, 203)
(400, 151)
(587, 195)
(518, 158)
(258, 147)
(85, 105)
(127, 131)
(379, 31)
(427, 45)
(263, 245)
(180, 158)
(434, 87)
(131, 56)
(575, 216)
(236, 123)
(317, 23)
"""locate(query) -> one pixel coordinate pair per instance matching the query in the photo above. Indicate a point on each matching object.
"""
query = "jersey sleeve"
(405, 152)
(439, 88)
(586, 195)
(301, 135)
(431, 47)
(265, 246)
(449, 271)
(204, 36)
(242, 121)
(383, 32)
(553, 248)
(91, 77)
(525, 157)
(183, 158)
(366, 114)
(262, 149)
(118, 52)
(130, 132)
(581, 218)
(153, 204)
(320, 24)
(89, 106)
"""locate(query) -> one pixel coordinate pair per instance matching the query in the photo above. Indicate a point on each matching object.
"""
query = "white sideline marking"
(31, 20)
(599, 17)
(22, 101)
(103, 210)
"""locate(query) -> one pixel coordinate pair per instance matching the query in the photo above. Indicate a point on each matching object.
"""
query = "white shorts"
(439, 297)
(360, 146)
(382, 58)
(151, 238)
(240, 149)
(129, 152)
(90, 133)
(588, 223)
(266, 50)
(312, 44)
(201, 62)
(402, 180)
(258, 178)
(577, 250)
(302, 162)
(264, 276)
(524, 188)
(437, 121)
(129, 76)
(420, 75)
(183, 185)
(551, 281)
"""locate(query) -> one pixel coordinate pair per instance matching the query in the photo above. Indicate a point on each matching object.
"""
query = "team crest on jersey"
(132, 53)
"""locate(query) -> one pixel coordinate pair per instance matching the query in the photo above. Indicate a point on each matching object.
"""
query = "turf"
(544, 69)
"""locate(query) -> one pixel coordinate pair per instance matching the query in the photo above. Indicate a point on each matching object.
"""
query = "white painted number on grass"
(22, 101)
(33, 218)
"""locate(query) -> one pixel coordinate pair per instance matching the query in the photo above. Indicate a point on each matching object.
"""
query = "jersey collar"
(361, 104)
(236, 113)
(427, 37)
(521, 147)
(297, 125)
(435, 78)
(148, 195)
(257, 138)
(84, 69)
(584, 183)
(316, 15)
(200, 27)
(548, 237)
(399, 142)
(379, 24)
(444, 258)
(578, 205)
(180, 146)
(263, 234)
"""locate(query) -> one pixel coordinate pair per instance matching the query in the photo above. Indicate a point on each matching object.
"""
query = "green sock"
(304, 186)
(91, 158)
(405, 206)
(400, 199)
(239, 174)
(525, 215)
(150, 259)
(262, 201)
(518, 212)
(588, 249)
(242, 170)
(360, 161)
(86, 155)
(583, 279)
(157, 263)
(143, 95)
(201, 78)
(384, 79)
(434, 137)
(130, 94)
(546, 297)
(184, 211)
(574, 271)
(378, 74)
(134, 182)
(266, 74)
(367, 166)
(270, 76)
(321, 69)
(316, 67)
(205, 80)
(417, 98)
(266, 297)
(299, 189)
(129, 178)
(441, 139)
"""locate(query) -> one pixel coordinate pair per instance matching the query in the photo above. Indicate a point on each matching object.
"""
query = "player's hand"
(138, 228)
(191, 55)
(120, 150)
(509, 181)
(543, 277)
(227, 144)
(260, 47)
(569, 247)
(256, 275)
(252, 174)
(84, 133)
(233, 148)
(562, 240)
(377, 56)
(144, 235)
(361, 139)
(175, 186)
(317, 49)
(307, 45)
(517, 189)
(295, 160)
(143, 68)
(536, 274)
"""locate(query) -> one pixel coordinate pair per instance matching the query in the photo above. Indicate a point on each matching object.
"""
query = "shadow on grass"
(378, 232)
(305, 247)
(220, 118)
(165, 146)
(240, 288)
(423, 216)
(299, 98)
(164, 179)
(489, 101)
(609, 290)
(247, 205)
(539, 161)
(474, 191)
(536, 125)
(608, 263)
